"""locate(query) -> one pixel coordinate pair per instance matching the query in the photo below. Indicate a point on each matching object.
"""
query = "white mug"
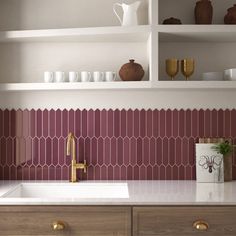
(73, 76)
(98, 76)
(48, 77)
(110, 76)
(85, 76)
(59, 76)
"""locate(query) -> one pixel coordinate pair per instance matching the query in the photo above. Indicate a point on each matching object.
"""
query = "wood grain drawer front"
(171, 221)
(79, 221)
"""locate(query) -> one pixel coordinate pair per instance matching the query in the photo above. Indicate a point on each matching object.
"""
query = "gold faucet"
(70, 147)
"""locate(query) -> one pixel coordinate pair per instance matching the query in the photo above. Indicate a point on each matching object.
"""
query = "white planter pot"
(209, 164)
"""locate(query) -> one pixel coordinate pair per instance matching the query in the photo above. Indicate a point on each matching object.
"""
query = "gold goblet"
(187, 67)
(172, 67)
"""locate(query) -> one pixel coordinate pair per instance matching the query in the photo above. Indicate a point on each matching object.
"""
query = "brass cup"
(172, 67)
(187, 67)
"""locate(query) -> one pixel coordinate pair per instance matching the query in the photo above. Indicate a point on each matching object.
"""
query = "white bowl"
(213, 76)
(230, 74)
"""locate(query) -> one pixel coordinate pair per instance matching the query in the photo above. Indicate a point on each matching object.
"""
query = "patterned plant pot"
(209, 164)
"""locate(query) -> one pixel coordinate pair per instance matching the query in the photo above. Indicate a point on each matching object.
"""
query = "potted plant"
(226, 149)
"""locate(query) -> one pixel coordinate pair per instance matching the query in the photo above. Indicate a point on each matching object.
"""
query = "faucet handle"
(85, 166)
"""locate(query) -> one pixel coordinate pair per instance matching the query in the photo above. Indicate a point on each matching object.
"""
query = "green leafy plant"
(224, 148)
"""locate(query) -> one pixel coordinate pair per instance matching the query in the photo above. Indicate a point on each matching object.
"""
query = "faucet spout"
(71, 151)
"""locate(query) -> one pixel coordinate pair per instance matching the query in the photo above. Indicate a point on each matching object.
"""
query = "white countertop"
(140, 193)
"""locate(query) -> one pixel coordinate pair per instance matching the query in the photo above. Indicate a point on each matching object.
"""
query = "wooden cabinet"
(172, 221)
(78, 221)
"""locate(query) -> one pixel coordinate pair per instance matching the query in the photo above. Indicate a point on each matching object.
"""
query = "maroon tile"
(90, 123)
(162, 124)
(149, 174)
(110, 173)
(220, 123)
(175, 173)
(104, 123)
(201, 126)
(6, 120)
(156, 121)
(185, 151)
(94, 152)
(133, 151)
(191, 149)
(159, 151)
(61, 151)
(117, 173)
(195, 123)
(78, 120)
(123, 123)
(32, 172)
(139, 151)
(32, 123)
(207, 123)
(165, 154)
(130, 123)
(55, 151)
(120, 151)
(25, 123)
(84, 124)
(142, 123)
(182, 122)
(129, 173)
(97, 173)
(107, 151)
(149, 123)
(172, 152)
(110, 123)
(136, 121)
(162, 173)
(142, 173)
(61, 124)
(156, 173)
(178, 152)
(45, 123)
(214, 122)
(175, 120)
(146, 151)
(104, 173)
(39, 122)
(113, 151)
(152, 151)
(100, 151)
(42, 151)
(52, 123)
(168, 173)
(182, 173)
(227, 123)
(123, 173)
(136, 175)
(188, 124)
(126, 147)
(233, 123)
(169, 124)
(97, 120)
(9, 148)
(48, 151)
(188, 171)
(2, 123)
(35, 152)
(117, 123)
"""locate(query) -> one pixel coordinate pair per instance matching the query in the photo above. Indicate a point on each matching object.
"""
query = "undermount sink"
(69, 190)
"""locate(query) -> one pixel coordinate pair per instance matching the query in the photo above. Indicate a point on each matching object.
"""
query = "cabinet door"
(78, 221)
(172, 221)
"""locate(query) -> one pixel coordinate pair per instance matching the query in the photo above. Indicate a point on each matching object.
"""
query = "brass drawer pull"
(58, 225)
(201, 225)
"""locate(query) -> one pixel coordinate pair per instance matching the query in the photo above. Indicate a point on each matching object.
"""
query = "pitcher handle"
(114, 9)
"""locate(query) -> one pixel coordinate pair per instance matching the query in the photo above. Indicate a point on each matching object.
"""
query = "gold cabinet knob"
(58, 225)
(201, 225)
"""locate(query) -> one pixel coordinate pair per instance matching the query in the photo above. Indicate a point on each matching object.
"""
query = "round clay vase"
(131, 71)
(172, 21)
(230, 17)
(203, 12)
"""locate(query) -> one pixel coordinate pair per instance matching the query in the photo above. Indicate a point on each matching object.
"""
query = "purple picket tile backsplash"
(118, 145)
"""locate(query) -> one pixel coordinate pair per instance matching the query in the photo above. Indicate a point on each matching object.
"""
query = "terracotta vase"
(131, 71)
(203, 12)
(228, 168)
(230, 17)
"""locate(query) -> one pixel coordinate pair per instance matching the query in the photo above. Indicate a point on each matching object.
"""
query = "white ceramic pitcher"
(130, 13)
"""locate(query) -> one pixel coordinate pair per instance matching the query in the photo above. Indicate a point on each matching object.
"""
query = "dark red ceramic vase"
(131, 71)
(230, 17)
(203, 12)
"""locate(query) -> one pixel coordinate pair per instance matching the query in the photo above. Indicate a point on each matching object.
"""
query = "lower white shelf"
(166, 85)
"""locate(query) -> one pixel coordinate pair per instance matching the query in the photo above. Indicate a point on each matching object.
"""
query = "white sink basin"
(69, 190)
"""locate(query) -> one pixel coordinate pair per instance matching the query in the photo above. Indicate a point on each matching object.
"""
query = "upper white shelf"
(167, 85)
(97, 34)
(197, 33)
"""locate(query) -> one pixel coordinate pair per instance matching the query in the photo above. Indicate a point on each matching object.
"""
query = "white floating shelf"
(195, 85)
(197, 33)
(74, 86)
(166, 85)
(97, 34)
